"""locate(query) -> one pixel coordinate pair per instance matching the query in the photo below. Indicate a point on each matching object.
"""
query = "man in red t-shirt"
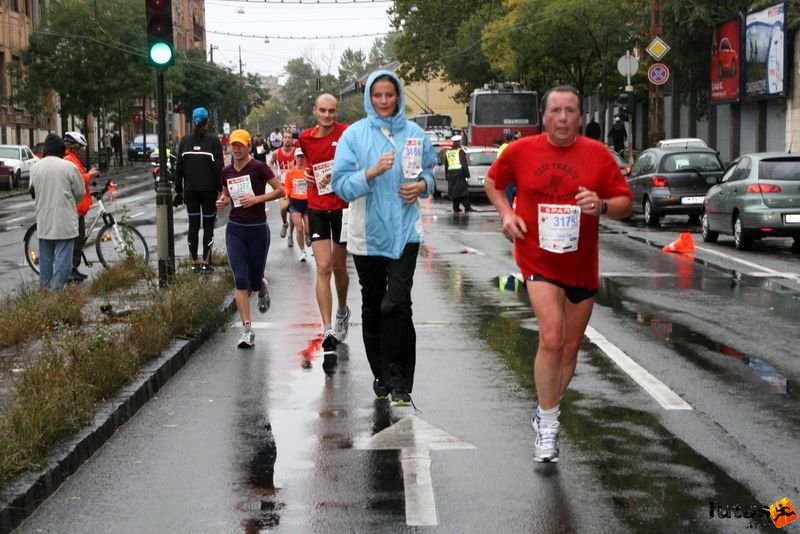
(325, 218)
(564, 182)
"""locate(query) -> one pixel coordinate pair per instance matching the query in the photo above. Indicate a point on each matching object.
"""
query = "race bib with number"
(559, 227)
(238, 187)
(320, 170)
(412, 158)
(300, 186)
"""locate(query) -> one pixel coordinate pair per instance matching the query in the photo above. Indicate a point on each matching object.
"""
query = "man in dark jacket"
(197, 182)
(456, 169)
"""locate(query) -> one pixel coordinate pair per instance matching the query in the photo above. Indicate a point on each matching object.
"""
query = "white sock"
(246, 325)
(548, 417)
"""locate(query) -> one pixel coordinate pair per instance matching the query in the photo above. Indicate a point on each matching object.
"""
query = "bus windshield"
(505, 109)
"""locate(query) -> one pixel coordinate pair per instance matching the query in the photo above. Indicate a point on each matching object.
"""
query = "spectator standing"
(593, 130)
(325, 215)
(75, 144)
(247, 233)
(618, 135)
(384, 164)
(198, 168)
(456, 168)
(565, 183)
(57, 187)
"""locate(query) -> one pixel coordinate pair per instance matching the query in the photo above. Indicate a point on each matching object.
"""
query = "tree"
(352, 66)
(300, 89)
(266, 117)
(383, 50)
(82, 53)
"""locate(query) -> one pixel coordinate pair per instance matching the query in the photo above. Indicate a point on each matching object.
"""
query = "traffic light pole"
(165, 232)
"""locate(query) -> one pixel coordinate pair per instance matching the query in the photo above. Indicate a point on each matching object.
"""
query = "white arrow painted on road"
(416, 439)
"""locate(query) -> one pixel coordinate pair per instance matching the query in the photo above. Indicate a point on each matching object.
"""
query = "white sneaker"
(303, 257)
(284, 227)
(248, 339)
(342, 325)
(289, 243)
(329, 340)
(546, 445)
(264, 300)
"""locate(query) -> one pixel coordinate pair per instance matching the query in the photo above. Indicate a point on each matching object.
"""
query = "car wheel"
(708, 235)
(650, 216)
(18, 178)
(741, 238)
(796, 246)
(694, 218)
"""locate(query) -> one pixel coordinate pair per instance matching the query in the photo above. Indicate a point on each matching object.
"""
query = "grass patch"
(33, 312)
(124, 275)
(80, 364)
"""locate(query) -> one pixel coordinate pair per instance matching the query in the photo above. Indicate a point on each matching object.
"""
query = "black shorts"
(575, 294)
(324, 225)
(297, 205)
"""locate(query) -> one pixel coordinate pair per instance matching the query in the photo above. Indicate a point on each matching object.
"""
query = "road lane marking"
(668, 399)
(743, 262)
(416, 439)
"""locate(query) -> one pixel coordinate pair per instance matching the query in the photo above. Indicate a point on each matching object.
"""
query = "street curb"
(21, 498)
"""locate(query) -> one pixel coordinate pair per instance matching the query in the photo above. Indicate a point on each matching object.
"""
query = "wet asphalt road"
(276, 439)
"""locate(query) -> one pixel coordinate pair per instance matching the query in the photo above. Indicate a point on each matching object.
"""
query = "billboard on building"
(726, 71)
(765, 48)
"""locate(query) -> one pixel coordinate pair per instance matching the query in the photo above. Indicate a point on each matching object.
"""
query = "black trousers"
(77, 249)
(201, 207)
(389, 336)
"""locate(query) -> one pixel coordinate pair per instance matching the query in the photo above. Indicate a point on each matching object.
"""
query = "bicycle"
(115, 241)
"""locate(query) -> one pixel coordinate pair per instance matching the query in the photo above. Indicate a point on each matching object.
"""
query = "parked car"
(682, 142)
(757, 197)
(480, 158)
(20, 158)
(6, 177)
(38, 149)
(138, 149)
(624, 166)
(673, 181)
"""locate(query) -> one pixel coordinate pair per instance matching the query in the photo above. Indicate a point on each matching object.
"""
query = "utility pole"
(239, 109)
(211, 52)
(655, 93)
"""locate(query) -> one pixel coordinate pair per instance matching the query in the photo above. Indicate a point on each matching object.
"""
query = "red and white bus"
(499, 108)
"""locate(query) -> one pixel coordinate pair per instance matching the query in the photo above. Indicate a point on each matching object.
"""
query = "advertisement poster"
(764, 53)
(726, 70)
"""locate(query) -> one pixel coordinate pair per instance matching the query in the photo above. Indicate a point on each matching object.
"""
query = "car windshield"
(9, 152)
(698, 161)
(482, 158)
(779, 169)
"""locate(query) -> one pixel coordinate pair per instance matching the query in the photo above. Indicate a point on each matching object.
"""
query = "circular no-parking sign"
(658, 74)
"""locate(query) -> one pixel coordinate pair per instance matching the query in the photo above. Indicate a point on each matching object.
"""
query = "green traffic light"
(161, 54)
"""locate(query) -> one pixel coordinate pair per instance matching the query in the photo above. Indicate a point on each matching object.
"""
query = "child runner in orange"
(295, 186)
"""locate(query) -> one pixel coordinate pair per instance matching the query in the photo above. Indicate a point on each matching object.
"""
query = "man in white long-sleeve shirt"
(57, 187)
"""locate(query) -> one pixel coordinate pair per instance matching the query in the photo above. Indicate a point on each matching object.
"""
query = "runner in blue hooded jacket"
(383, 165)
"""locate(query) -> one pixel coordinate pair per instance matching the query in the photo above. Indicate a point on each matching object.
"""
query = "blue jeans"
(55, 262)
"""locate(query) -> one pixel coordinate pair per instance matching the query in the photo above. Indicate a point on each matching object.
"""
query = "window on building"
(14, 5)
(15, 62)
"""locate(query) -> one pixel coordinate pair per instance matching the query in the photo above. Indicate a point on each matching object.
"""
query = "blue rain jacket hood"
(380, 222)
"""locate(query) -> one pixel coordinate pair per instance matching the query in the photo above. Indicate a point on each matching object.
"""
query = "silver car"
(757, 197)
(479, 158)
(20, 158)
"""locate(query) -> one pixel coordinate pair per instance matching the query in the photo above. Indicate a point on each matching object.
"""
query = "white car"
(20, 158)
(682, 142)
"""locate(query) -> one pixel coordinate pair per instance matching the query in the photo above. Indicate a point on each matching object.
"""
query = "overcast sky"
(291, 18)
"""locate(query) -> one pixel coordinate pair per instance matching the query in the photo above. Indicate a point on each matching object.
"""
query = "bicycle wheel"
(117, 243)
(32, 248)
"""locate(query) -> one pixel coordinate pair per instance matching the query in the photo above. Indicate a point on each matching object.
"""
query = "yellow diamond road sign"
(657, 48)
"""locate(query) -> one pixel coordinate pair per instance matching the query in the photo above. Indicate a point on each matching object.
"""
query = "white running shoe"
(546, 445)
(329, 341)
(303, 257)
(284, 227)
(342, 325)
(248, 339)
(289, 243)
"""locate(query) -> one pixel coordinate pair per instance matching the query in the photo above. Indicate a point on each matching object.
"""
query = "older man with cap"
(197, 183)
(456, 169)
(57, 187)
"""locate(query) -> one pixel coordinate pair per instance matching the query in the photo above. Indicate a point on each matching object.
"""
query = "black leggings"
(201, 206)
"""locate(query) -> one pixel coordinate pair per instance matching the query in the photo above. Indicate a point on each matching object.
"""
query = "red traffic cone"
(684, 243)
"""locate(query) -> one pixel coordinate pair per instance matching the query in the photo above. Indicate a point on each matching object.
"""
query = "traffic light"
(160, 48)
